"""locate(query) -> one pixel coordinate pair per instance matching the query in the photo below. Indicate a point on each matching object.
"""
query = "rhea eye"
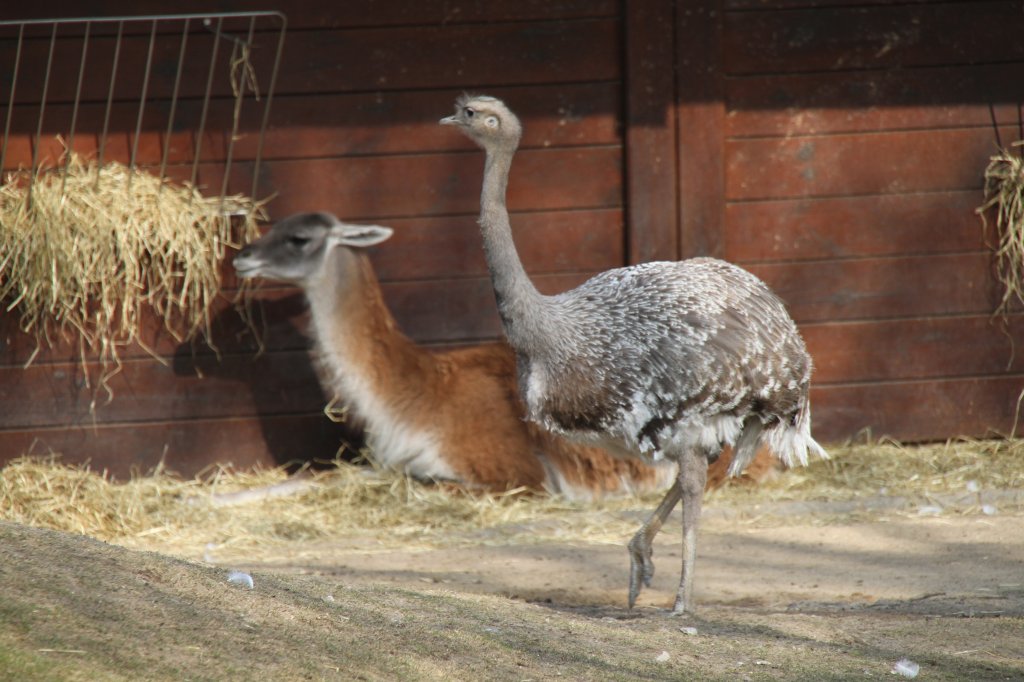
(298, 241)
(470, 113)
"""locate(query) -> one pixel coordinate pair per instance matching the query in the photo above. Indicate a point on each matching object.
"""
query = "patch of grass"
(18, 662)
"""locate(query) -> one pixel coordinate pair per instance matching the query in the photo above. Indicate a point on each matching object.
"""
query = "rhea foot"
(641, 565)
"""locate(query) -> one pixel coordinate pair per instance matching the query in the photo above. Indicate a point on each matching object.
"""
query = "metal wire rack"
(156, 92)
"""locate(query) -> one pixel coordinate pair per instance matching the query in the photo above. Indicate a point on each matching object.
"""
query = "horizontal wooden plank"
(146, 390)
(746, 5)
(454, 56)
(184, 447)
(845, 227)
(181, 146)
(917, 411)
(844, 165)
(375, 188)
(392, 122)
(440, 312)
(325, 14)
(279, 321)
(923, 348)
(450, 56)
(884, 288)
(439, 184)
(852, 37)
(103, 18)
(548, 243)
(867, 101)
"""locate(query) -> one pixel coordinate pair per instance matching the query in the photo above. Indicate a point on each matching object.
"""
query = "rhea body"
(453, 416)
(663, 360)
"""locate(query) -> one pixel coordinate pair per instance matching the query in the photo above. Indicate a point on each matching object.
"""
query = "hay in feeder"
(91, 248)
(1004, 191)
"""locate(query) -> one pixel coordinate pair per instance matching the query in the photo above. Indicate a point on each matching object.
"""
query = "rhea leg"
(693, 475)
(641, 566)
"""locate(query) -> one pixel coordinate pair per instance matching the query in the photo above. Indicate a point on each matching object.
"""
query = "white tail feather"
(792, 443)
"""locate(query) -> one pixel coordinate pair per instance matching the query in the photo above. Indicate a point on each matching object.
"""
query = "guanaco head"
(487, 121)
(296, 247)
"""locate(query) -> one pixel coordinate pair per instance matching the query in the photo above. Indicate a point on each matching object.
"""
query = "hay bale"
(93, 247)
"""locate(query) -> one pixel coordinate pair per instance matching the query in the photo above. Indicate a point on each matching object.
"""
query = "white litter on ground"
(240, 578)
(906, 668)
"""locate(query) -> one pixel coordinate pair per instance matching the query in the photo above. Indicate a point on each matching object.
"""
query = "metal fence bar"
(206, 104)
(136, 17)
(142, 104)
(239, 53)
(266, 107)
(42, 114)
(174, 103)
(110, 100)
(10, 101)
(74, 110)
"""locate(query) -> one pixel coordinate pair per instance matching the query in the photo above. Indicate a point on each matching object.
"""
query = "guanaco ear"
(360, 236)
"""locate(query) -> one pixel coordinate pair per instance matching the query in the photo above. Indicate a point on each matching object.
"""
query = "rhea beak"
(449, 120)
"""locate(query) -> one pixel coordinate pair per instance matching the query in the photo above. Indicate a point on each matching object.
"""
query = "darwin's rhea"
(660, 360)
(454, 415)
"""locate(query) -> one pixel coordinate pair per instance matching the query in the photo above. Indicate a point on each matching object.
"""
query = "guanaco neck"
(520, 305)
(368, 357)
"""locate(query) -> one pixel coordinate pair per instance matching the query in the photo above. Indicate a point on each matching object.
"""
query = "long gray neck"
(520, 304)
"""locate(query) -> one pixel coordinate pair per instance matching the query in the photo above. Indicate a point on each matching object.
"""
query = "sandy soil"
(965, 566)
(795, 598)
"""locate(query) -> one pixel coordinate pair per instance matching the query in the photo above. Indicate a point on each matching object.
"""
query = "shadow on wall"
(282, 382)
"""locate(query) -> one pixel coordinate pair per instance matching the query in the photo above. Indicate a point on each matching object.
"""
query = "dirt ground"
(794, 597)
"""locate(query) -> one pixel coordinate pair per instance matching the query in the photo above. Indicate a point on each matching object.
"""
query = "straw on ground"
(385, 508)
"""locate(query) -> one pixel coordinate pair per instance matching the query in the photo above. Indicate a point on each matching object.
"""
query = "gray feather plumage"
(656, 356)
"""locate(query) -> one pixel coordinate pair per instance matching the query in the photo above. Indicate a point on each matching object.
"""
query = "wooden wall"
(834, 148)
(855, 138)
